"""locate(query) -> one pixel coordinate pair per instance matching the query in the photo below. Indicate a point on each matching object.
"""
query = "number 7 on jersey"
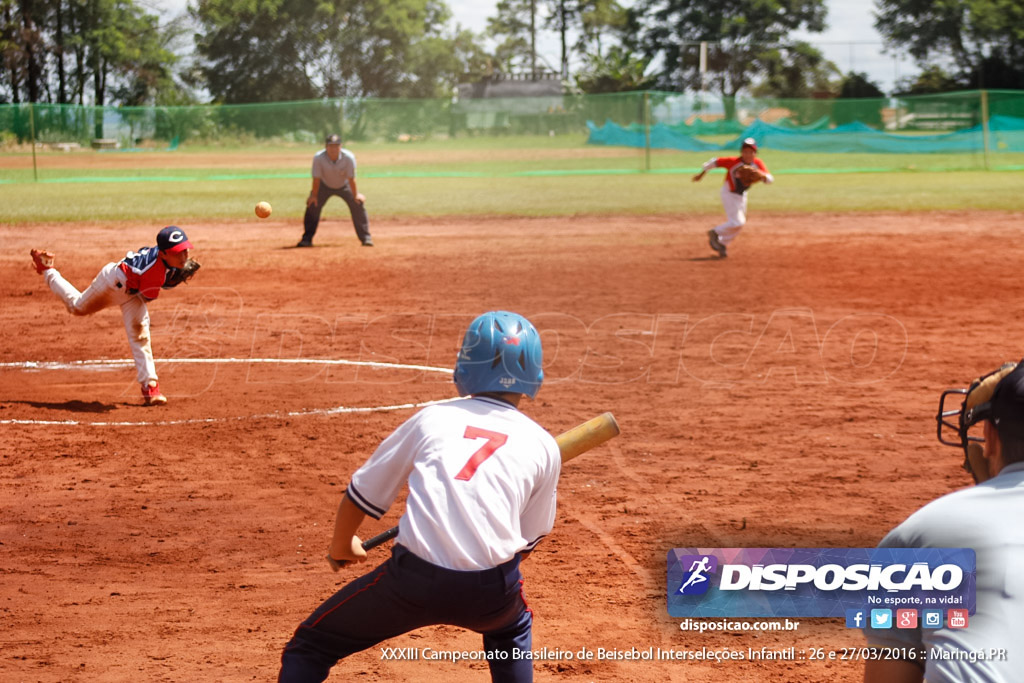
(495, 441)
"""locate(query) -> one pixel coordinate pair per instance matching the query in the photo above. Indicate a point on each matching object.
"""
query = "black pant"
(404, 594)
(359, 218)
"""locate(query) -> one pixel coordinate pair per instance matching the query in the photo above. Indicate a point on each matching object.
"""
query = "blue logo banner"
(818, 582)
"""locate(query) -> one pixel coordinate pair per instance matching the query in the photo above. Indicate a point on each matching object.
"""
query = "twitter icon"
(881, 618)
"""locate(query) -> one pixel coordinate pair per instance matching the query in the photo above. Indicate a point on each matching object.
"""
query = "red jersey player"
(734, 193)
(129, 283)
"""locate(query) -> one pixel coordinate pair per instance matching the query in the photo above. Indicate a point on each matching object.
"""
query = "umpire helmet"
(500, 352)
(998, 397)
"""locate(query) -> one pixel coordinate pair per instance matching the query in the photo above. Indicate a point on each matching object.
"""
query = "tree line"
(117, 52)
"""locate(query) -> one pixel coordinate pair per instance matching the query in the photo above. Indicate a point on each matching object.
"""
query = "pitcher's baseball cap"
(333, 139)
(749, 142)
(1007, 403)
(172, 239)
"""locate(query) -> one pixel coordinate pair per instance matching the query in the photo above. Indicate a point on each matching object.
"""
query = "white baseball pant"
(735, 212)
(108, 289)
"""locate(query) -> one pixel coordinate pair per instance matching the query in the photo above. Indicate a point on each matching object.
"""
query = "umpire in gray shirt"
(334, 174)
(989, 518)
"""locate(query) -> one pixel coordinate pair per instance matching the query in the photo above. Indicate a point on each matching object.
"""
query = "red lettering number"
(494, 442)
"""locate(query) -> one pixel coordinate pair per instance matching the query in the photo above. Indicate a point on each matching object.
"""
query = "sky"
(851, 41)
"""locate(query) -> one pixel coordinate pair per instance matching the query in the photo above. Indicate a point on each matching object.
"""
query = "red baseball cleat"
(151, 395)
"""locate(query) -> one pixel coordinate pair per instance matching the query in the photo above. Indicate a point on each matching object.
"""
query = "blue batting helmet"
(500, 352)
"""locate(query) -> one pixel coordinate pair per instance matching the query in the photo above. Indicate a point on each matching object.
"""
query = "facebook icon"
(854, 618)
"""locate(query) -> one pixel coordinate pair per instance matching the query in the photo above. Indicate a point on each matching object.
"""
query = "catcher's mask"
(977, 406)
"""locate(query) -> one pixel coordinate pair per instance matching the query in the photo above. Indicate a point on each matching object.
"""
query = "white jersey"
(482, 483)
(986, 518)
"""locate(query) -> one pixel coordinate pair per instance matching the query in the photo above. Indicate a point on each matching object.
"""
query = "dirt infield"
(782, 397)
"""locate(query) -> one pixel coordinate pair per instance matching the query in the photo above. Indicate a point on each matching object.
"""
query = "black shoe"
(715, 244)
(368, 243)
(304, 243)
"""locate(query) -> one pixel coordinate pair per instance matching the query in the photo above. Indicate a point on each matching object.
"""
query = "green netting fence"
(962, 123)
(635, 132)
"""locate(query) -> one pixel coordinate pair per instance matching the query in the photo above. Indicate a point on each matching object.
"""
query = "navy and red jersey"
(146, 273)
(730, 164)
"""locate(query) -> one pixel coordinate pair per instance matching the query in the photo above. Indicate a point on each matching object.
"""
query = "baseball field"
(783, 397)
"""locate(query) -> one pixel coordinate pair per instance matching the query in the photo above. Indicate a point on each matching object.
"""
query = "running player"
(482, 487)
(130, 284)
(734, 193)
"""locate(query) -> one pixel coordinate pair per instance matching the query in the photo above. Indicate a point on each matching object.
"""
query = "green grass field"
(484, 176)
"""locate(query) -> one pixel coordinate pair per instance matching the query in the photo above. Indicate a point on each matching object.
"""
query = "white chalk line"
(124, 362)
(128, 362)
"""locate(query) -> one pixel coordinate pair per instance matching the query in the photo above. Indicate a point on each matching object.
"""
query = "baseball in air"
(263, 209)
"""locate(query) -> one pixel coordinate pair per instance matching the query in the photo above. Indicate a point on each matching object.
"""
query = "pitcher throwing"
(130, 283)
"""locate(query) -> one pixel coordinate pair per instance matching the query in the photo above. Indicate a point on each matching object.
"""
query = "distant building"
(512, 85)
(511, 103)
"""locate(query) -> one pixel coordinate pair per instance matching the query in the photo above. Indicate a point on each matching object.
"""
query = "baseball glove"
(748, 174)
(185, 273)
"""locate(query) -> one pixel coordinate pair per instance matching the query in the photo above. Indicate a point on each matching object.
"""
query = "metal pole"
(703, 72)
(533, 40)
(647, 131)
(984, 125)
(32, 128)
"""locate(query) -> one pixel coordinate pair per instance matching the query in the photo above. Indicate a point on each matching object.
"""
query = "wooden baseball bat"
(590, 434)
(572, 443)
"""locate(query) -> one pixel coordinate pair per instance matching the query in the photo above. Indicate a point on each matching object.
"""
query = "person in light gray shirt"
(334, 175)
(987, 646)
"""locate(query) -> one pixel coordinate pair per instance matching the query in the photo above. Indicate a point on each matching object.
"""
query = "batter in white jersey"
(482, 480)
